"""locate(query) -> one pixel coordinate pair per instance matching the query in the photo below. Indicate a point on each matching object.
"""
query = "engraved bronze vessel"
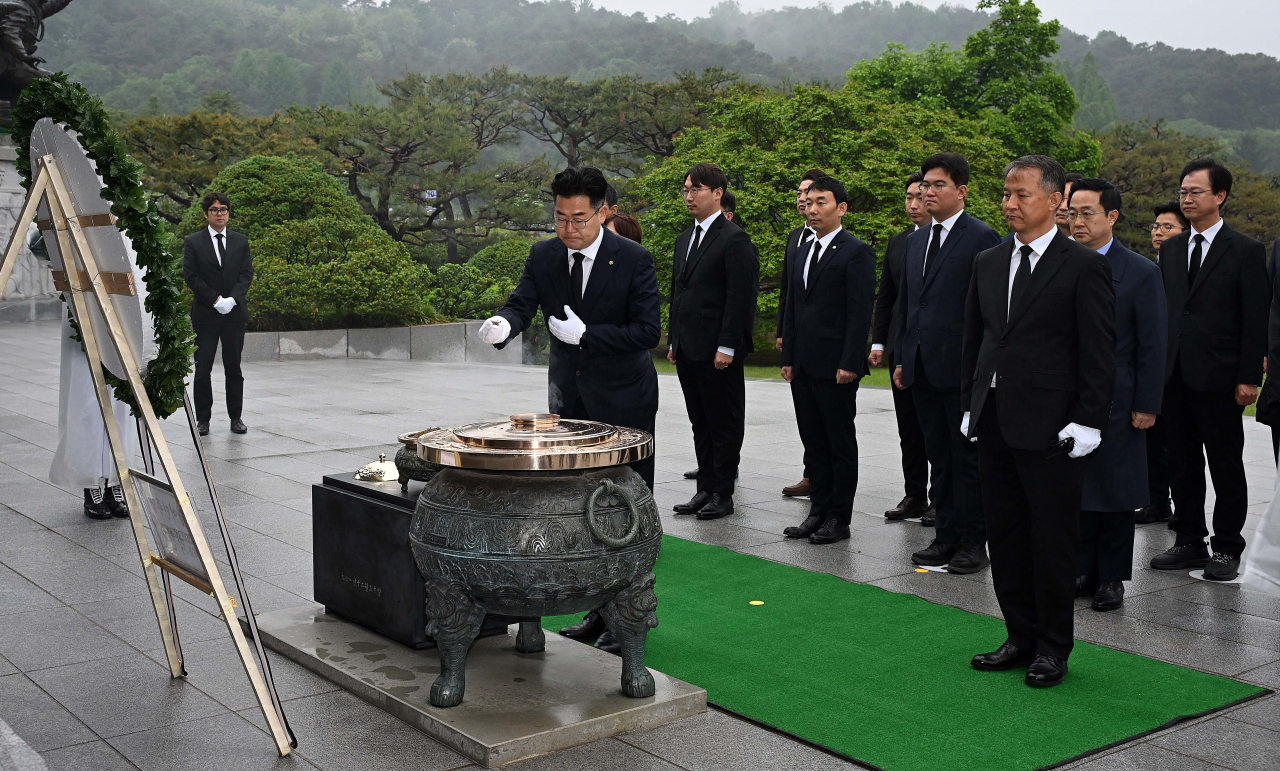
(409, 465)
(533, 517)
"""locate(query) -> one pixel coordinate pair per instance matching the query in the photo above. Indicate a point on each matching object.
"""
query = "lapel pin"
(610, 262)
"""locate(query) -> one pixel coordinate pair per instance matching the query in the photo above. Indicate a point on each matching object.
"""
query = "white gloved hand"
(570, 330)
(495, 330)
(964, 427)
(224, 305)
(1086, 439)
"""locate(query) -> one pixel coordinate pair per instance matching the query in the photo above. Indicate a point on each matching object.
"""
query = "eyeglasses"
(578, 223)
(689, 192)
(1193, 193)
(1075, 215)
(217, 210)
(939, 186)
(1165, 227)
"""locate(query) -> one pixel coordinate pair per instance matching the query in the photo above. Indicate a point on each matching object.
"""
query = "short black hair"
(1108, 195)
(1220, 178)
(213, 197)
(611, 196)
(582, 180)
(830, 185)
(1053, 178)
(1174, 208)
(1073, 177)
(709, 176)
(728, 202)
(956, 166)
(914, 179)
(811, 175)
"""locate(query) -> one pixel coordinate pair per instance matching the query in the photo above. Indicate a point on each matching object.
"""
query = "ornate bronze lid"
(534, 442)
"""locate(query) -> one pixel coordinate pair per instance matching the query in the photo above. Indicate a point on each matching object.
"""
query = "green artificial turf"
(885, 677)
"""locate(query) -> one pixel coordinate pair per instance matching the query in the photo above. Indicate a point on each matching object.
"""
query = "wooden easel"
(49, 185)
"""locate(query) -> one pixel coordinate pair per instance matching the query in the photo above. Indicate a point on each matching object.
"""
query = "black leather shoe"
(609, 644)
(807, 528)
(1222, 567)
(590, 627)
(691, 474)
(1110, 595)
(1190, 555)
(95, 504)
(1086, 586)
(116, 502)
(238, 427)
(1046, 671)
(1150, 514)
(830, 532)
(1002, 659)
(930, 517)
(696, 502)
(719, 506)
(969, 559)
(202, 427)
(936, 554)
(908, 507)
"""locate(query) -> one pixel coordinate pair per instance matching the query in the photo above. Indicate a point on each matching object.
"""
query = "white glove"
(569, 331)
(224, 305)
(964, 427)
(495, 330)
(1086, 439)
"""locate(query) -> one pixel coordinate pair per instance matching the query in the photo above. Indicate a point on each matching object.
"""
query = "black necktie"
(222, 253)
(693, 245)
(934, 245)
(1196, 255)
(1020, 278)
(575, 281)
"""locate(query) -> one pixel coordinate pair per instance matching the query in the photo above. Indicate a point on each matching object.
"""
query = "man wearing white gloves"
(219, 269)
(1037, 374)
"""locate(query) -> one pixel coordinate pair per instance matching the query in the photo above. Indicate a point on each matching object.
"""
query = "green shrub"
(463, 292)
(504, 259)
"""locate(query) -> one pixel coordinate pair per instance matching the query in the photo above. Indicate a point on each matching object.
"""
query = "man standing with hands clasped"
(218, 268)
(1037, 372)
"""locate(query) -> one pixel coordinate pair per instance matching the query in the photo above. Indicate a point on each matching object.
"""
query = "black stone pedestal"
(364, 570)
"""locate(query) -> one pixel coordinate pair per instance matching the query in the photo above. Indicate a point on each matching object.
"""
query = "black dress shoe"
(1046, 671)
(1190, 555)
(930, 517)
(696, 502)
(590, 627)
(691, 474)
(908, 507)
(807, 528)
(238, 427)
(1086, 586)
(719, 506)
(95, 504)
(1110, 595)
(609, 644)
(1222, 567)
(202, 427)
(830, 532)
(1002, 659)
(936, 554)
(1161, 513)
(116, 502)
(969, 559)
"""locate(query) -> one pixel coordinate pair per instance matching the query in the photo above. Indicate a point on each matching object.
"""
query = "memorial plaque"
(168, 527)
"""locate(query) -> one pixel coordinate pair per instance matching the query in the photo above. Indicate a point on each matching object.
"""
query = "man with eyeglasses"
(1169, 222)
(1215, 279)
(219, 269)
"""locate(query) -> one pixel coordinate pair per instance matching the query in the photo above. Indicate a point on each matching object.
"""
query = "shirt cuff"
(726, 351)
(877, 347)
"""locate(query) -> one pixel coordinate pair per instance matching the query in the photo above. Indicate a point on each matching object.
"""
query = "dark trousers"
(824, 411)
(1158, 463)
(958, 495)
(1106, 545)
(642, 467)
(1032, 503)
(231, 335)
(716, 401)
(915, 458)
(1206, 423)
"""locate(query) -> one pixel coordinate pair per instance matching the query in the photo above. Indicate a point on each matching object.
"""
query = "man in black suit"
(830, 293)
(1115, 482)
(219, 269)
(935, 287)
(711, 318)
(919, 498)
(1215, 279)
(1037, 375)
(599, 294)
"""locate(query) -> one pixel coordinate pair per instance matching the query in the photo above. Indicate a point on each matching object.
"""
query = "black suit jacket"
(883, 331)
(208, 280)
(827, 323)
(1217, 328)
(788, 257)
(713, 293)
(1055, 351)
(612, 370)
(931, 308)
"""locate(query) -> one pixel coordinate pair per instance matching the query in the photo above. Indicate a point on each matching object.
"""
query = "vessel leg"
(453, 620)
(630, 615)
(530, 638)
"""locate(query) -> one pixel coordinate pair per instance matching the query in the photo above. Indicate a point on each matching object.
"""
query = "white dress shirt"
(214, 235)
(1209, 234)
(1037, 251)
(947, 225)
(588, 258)
(819, 246)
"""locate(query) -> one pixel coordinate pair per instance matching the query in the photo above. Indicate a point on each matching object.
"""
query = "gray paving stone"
(38, 719)
(222, 742)
(213, 667)
(17, 594)
(603, 755)
(87, 580)
(1263, 712)
(12, 522)
(133, 620)
(1227, 742)
(1145, 757)
(1171, 644)
(714, 741)
(90, 756)
(1205, 619)
(54, 637)
(6, 668)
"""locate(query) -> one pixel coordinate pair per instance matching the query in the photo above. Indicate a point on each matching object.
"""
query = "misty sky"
(1235, 26)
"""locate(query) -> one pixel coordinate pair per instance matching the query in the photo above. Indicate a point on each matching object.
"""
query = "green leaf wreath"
(68, 102)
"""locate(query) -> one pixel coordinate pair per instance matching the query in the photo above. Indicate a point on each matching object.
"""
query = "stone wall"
(429, 342)
(29, 294)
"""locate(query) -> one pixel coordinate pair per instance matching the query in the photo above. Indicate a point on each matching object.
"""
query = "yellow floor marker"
(757, 602)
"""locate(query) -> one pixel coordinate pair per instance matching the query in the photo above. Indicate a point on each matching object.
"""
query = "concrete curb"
(456, 342)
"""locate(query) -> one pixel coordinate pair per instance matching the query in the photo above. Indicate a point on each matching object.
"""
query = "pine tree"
(1097, 103)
